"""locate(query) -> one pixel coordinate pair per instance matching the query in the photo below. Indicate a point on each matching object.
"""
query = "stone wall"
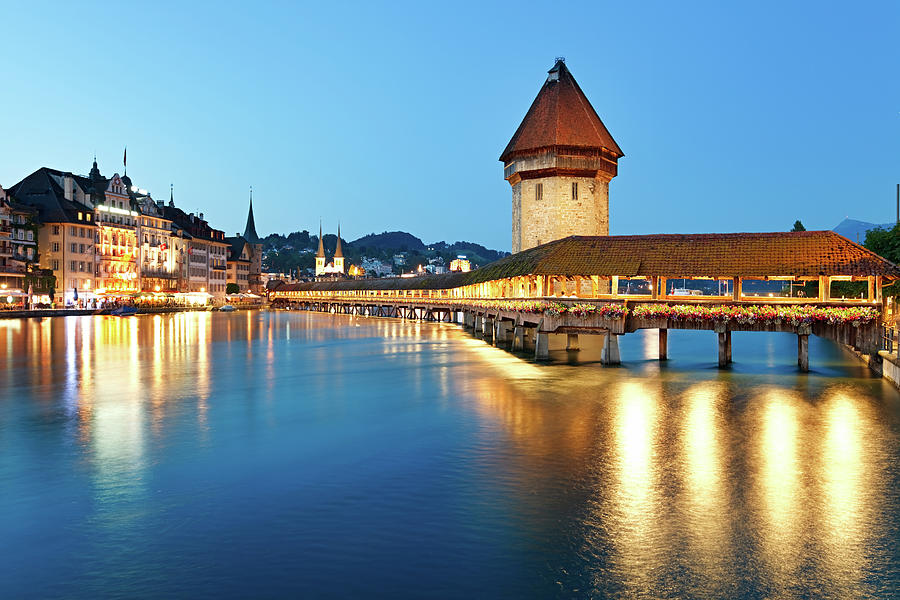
(557, 214)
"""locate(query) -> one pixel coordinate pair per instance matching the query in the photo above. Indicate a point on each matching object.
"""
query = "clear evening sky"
(391, 116)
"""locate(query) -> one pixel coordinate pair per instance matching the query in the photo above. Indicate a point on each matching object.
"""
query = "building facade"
(118, 222)
(559, 163)
(67, 234)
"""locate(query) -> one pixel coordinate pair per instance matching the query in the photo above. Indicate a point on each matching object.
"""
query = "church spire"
(250, 228)
(338, 253)
(321, 252)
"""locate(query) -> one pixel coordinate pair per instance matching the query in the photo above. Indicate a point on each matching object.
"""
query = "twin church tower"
(559, 163)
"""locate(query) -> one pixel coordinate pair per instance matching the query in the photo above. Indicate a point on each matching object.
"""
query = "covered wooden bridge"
(800, 282)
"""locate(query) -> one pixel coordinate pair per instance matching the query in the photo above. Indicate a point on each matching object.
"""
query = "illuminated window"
(80, 216)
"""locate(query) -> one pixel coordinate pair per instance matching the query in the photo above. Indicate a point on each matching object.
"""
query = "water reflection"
(587, 481)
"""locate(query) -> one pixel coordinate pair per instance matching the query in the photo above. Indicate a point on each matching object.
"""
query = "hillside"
(389, 240)
(855, 231)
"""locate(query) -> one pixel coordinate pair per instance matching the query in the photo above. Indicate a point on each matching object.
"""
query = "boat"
(227, 308)
(123, 311)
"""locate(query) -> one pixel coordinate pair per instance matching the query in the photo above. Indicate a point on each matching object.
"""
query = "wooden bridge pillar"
(663, 344)
(518, 336)
(541, 343)
(572, 342)
(487, 328)
(724, 348)
(501, 332)
(610, 353)
(478, 326)
(803, 352)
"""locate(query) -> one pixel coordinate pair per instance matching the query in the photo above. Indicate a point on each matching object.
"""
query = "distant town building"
(335, 268)
(559, 163)
(461, 263)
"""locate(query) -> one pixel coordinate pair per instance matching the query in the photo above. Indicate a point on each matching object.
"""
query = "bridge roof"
(801, 254)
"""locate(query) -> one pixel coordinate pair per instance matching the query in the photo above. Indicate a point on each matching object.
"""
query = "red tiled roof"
(801, 254)
(561, 115)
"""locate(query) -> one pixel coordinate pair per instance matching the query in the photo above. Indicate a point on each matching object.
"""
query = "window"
(29, 235)
(81, 266)
(81, 248)
(56, 230)
(73, 247)
(20, 234)
(73, 232)
(539, 192)
(574, 190)
(80, 215)
(73, 266)
(88, 215)
(54, 264)
(54, 247)
(30, 253)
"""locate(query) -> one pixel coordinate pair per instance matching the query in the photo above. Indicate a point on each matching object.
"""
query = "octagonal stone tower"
(559, 163)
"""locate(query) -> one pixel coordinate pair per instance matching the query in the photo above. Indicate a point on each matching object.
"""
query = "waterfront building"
(118, 220)
(68, 232)
(239, 263)
(559, 163)
(160, 268)
(204, 256)
(18, 247)
(245, 257)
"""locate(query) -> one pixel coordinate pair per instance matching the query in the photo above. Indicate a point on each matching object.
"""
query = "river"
(264, 454)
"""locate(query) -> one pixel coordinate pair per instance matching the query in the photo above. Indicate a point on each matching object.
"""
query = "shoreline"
(86, 312)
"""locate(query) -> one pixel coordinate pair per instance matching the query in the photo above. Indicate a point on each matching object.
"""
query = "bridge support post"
(610, 353)
(803, 347)
(572, 342)
(478, 326)
(663, 344)
(501, 332)
(487, 328)
(541, 343)
(518, 336)
(724, 348)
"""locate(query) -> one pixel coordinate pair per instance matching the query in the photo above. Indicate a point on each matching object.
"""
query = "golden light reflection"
(635, 520)
(781, 506)
(706, 497)
(845, 494)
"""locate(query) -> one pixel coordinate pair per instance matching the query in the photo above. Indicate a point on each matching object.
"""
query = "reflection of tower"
(320, 255)
(559, 163)
(338, 254)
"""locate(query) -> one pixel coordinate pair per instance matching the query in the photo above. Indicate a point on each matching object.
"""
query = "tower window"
(574, 190)
(539, 192)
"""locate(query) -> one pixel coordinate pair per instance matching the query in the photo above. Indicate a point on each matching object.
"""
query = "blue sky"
(392, 116)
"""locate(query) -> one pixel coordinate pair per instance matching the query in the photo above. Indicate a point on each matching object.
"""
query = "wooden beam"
(736, 290)
(614, 290)
(870, 293)
(654, 285)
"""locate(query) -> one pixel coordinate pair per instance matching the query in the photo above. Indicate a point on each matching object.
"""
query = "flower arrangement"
(748, 315)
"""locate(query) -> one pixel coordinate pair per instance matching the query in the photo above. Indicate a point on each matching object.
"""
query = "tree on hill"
(798, 226)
